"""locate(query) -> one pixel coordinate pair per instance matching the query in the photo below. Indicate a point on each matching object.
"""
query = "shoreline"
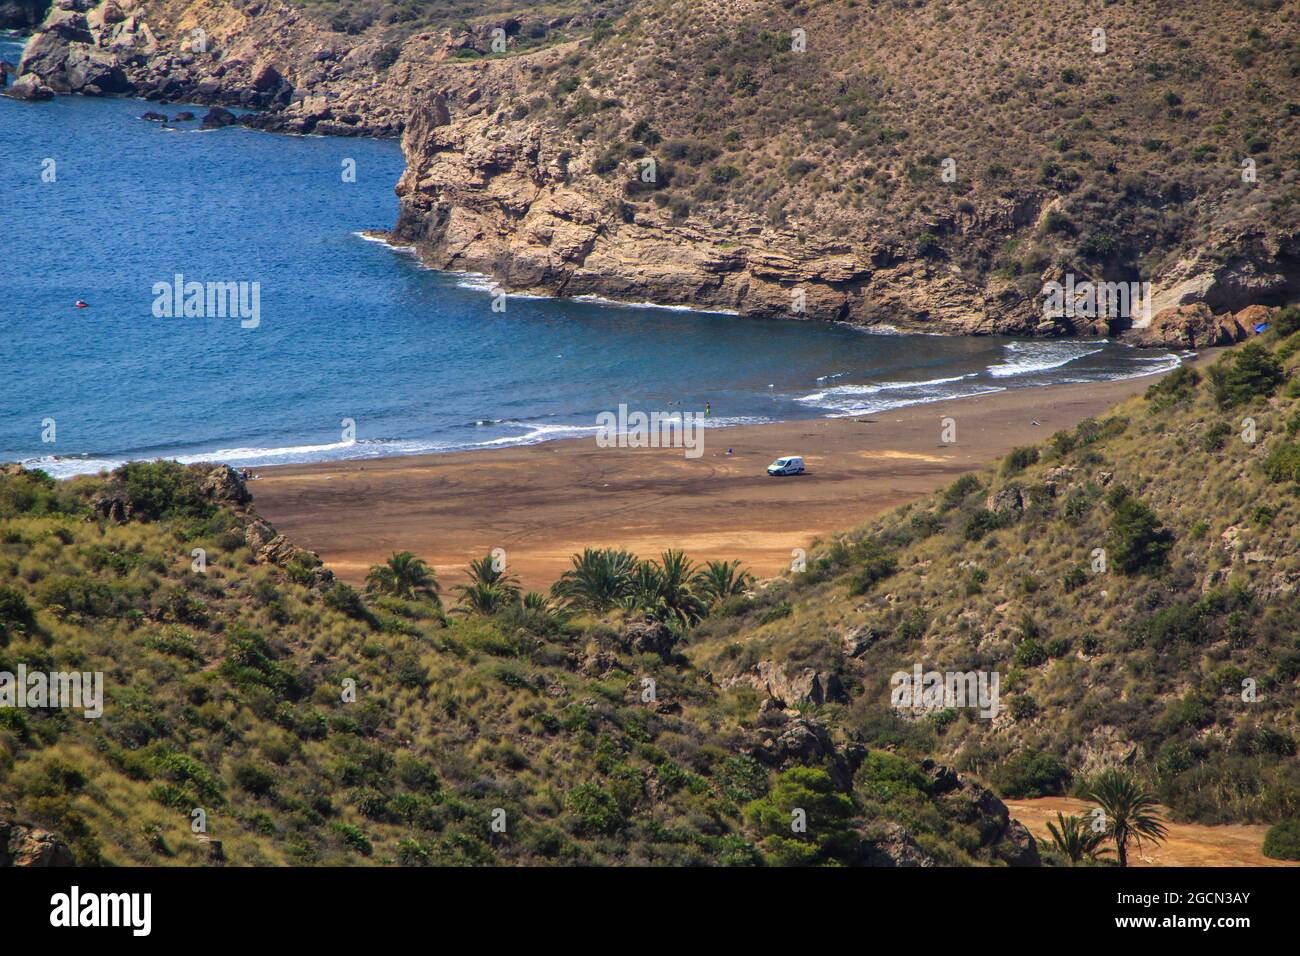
(544, 502)
(490, 284)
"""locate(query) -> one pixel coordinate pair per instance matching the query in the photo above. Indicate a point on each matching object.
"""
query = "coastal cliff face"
(744, 157)
(932, 169)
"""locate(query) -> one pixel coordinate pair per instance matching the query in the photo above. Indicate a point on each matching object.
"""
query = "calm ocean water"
(352, 329)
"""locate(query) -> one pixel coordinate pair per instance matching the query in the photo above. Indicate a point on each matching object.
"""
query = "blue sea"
(351, 329)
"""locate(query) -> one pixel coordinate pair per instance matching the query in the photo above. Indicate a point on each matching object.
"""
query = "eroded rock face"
(29, 88)
(791, 688)
(22, 845)
(804, 742)
(271, 547)
(891, 845)
(650, 637)
(226, 486)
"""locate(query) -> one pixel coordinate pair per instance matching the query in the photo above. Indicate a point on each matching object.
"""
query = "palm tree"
(536, 601)
(598, 580)
(480, 597)
(485, 571)
(405, 576)
(665, 590)
(1131, 813)
(1075, 839)
(676, 587)
(490, 589)
(720, 580)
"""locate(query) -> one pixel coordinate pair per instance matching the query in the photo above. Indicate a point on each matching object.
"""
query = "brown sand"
(542, 503)
(1189, 844)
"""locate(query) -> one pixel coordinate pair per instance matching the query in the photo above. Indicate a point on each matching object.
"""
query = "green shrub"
(1286, 322)
(1140, 542)
(163, 489)
(960, 490)
(983, 521)
(1030, 653)
(594, 810)
(876, 568)
(1248, 373)
(253, 777)
(16, 615)
(887, 777)
(1282, 841)
(1283, 462)
(353, 836)
(828, 813)
(1030, 774)
(1019, 459)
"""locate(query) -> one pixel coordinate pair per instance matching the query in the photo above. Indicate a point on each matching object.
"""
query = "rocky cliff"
(736, 155)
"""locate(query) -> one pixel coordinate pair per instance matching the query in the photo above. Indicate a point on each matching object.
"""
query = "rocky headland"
(639, 163)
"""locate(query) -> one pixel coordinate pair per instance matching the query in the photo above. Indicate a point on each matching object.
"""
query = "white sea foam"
(842, 391)
(846, 408)
(1026, 358)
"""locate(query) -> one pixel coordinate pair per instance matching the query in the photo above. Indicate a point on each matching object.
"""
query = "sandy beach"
(542, 503)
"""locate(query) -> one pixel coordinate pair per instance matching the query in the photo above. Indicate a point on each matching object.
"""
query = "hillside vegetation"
(528, 23)
(1148, 660)
(302, 722)
(851, 129)
(653, 711)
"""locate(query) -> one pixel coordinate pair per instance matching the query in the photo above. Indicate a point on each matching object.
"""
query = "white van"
(789, 465)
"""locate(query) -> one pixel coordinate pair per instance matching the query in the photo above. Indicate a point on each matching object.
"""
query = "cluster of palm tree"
(673, 589)
(489, 590)
(1125, 813)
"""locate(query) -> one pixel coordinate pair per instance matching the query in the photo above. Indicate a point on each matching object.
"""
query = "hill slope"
(301, 724)
(1133, 581)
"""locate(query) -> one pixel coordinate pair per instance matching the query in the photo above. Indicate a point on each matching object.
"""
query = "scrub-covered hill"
(1133, 582)
(256, 711)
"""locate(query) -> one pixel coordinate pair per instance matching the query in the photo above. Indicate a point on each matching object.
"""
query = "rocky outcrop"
(649, 637)
(24, 845)
(806, 685)
(890, 845)
(271, 547)
(217, 117)
(29, 88)
(226, 486)
(802, 742)
(1001, 837)
(266, 56)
